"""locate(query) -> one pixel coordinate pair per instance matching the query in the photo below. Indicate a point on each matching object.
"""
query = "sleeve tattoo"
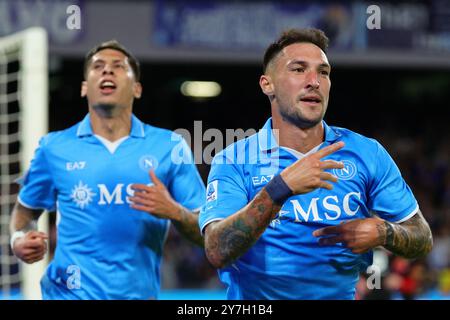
(409, 239)
(231, 238)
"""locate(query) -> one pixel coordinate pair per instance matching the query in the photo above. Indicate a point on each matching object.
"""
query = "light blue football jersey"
(105, 249)
(287, 262)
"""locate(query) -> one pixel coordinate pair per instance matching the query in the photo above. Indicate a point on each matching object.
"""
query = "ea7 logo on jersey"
(212, 191)
(77, 165)
(261, 180)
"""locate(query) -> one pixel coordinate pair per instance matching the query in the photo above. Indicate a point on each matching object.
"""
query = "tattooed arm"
(228, 239)
(410, 239)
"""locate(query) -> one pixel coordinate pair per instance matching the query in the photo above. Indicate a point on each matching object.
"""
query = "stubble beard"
(296, 118)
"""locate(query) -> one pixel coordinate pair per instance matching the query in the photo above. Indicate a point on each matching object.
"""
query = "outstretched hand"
(31, 247)
(154, 199)
(359, 235)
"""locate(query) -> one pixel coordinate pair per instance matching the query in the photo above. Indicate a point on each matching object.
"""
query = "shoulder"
(161, 134)
(243, 149)
(148, 128)
(59, 137)
(356, 140)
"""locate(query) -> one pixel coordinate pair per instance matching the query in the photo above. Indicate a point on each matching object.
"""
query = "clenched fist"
(31, 247)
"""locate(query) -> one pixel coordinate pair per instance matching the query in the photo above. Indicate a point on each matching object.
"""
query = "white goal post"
(28, 52)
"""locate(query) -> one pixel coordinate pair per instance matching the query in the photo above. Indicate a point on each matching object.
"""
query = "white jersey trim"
(26, 205)
(409, 216)
(208, 222)
(111, 146)
(300, 155)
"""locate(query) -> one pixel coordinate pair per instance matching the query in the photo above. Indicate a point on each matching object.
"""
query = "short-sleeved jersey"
(105, 249)
(287, 262)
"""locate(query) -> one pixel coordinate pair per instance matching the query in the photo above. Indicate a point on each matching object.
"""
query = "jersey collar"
(85, 128)
(267, 141)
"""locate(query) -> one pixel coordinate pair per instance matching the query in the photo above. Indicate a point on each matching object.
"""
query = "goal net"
(23, 120)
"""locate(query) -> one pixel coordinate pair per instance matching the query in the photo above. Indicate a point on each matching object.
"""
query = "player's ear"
(265, 82)
(137, 90)
(83, 89)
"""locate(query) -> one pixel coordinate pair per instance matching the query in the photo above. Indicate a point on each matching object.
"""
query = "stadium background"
(391, 84)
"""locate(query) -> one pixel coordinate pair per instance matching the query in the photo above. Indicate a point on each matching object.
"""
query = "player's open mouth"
(107, 87)
(311, 99)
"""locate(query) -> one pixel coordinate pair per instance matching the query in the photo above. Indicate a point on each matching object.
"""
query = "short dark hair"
(114, 45)
(288, 37)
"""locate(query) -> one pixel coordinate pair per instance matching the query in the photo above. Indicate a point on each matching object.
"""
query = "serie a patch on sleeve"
(212, 191)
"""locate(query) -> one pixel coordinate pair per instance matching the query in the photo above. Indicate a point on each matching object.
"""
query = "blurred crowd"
(424, 160)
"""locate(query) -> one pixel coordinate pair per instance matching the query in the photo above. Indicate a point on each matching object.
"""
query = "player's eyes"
(325, 72)
(299, 70)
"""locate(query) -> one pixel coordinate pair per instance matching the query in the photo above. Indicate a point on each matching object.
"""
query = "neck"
(291, 136)
(113, 127)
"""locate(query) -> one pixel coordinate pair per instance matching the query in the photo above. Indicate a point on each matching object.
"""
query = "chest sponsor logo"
(347, 172)
(148, 162)
(77, 165)
(332, 208)
(82, 195)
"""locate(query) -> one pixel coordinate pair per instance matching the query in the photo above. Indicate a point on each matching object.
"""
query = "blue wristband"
(278, 190)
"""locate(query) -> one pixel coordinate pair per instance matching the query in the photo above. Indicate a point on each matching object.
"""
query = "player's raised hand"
(31, 247)
(154, 199)
(307, 174)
